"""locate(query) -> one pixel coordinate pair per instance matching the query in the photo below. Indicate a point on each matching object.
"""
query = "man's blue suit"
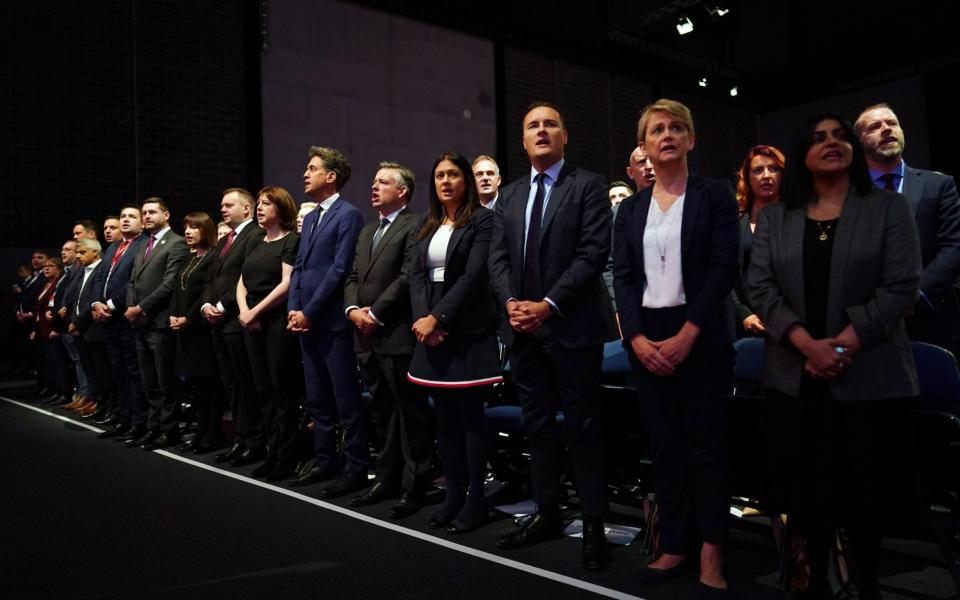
(323, 263)
(121, 345)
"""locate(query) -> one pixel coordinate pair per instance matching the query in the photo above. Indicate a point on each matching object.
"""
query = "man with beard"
(936, 206)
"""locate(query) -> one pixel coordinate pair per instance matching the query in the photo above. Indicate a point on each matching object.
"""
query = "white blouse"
(437, 252)
(661, 256)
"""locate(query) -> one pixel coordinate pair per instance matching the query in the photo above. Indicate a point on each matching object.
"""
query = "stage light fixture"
(734, 91)
(703, 82)
(684, 25)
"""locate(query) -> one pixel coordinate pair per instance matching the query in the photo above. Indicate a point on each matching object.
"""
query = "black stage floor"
(86, 518)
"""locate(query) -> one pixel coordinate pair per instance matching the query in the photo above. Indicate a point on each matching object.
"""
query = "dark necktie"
(531, 288)
(226, 246)
(888, 181)
(316, 223)
(146, 255)
(379, 234)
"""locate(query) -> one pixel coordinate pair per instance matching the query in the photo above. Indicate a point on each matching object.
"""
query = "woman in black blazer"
(196, 362)
(455, 322)
(835, 268)
(675, 255)
(758, 186)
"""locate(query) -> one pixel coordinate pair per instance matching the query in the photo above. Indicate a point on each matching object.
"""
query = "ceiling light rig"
(684, 25)
(734, 92)
(715, 10)
(703, 82)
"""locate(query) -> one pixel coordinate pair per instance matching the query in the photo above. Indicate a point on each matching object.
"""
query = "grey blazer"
(874, 280)
(151, 282)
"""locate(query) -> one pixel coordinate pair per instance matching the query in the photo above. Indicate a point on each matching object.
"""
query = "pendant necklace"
(824, 231)
(662, 248)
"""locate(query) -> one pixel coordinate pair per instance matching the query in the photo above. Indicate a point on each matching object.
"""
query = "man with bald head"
(933, 199)
(640, 169)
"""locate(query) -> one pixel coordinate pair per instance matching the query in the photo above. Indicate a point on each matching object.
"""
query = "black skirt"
(459, 361)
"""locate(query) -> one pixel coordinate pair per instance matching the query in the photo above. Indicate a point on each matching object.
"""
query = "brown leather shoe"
(89, 409)
(84, 405)
(77, 401)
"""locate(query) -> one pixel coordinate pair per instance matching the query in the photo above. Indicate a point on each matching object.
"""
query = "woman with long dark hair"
(835, 268)
(455, 322)
(758, 185)
(196, 362)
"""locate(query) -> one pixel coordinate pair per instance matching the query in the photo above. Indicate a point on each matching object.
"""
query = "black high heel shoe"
(458, 526)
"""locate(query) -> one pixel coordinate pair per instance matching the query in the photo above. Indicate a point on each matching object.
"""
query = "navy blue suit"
(110, 284)
(324, 261)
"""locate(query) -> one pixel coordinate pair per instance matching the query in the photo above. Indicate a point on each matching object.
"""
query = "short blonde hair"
(673, 108)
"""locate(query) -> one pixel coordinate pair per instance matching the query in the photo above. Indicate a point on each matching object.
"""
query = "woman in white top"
(675, 256)
(455, 322)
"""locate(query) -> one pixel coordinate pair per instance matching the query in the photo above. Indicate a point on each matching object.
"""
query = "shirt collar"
(492, 201)
(393, 215)
(553, 172)
(897, 171)
(326, 204)
(93, 265)
(159, 235)
(240, 227)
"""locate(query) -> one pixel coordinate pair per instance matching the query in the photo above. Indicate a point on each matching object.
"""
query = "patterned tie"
(118, 254)
(384, 222)
(888, 179)
(531, 288)
(146, 255)
(227, 244)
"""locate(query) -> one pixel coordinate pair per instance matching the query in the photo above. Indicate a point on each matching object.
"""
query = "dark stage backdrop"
(375, 86)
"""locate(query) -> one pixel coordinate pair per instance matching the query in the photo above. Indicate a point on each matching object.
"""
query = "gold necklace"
(823, 232)
(185, 276)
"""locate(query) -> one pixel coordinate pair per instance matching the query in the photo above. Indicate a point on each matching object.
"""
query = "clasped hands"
(135, 315)
(428, 331)
(248, 320)
(363, 320)
(297, 321)
(829, 357)
(526, 316)
(663, 357)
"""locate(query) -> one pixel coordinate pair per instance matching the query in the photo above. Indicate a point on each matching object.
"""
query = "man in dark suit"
(550, 243)
(377, 298)
(87, 333)
(220, 309)
(109, 305)
(315, 311)
(151, 284)
(934, 202)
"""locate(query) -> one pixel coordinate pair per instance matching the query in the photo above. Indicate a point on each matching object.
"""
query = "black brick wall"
(107, 103)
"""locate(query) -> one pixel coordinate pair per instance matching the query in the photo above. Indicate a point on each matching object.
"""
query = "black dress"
(262, 269)
(195, 353)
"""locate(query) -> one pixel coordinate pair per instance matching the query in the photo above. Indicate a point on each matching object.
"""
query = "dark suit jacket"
(152, 280)
(323, 262)
(574, 245)
(708, 246)
(82, 319)
(874, 277)
(936, 207)
(113, 286)
(739, 294)
(28, 298)
(381, 281)
(466, 305)
(66, 295)
(221, 286)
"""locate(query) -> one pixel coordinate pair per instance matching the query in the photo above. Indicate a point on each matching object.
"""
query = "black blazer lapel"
(455, 238)
(559, 193)
(846, 228)
(518, 217)
(388, 235)
(691, 208)
(913, 189)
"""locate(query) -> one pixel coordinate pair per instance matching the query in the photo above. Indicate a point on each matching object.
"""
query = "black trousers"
(57, 364)
(550, 378)
(122, 352)
(95, 361)
(274, 355)
(688, 414)
(247, 418)
(401, 418)
(156, 351)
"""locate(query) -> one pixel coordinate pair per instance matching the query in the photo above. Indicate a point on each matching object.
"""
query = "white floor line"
(506, 562)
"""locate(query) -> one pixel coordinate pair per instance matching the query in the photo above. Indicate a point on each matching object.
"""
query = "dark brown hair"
(435, 210)
(203, 222)
(286, 208)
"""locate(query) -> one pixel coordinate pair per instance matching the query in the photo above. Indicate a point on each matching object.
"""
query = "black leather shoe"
(457, 527)
(164, 440)
(132, 434)
(95, 415)
(108, 420)
(313, 473)
(655, 576)
(378, 493)
(702, 591)
(596, 553)
(208, 446)
(346, 484)
(248, 457)
(540, 527)
(282, 470)
(235, 450)
(409, 503)
(192, 445)
(118, 429)
(265, 468)
(147, 438)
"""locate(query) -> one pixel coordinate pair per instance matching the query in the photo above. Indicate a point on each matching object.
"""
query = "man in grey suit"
(377, 299)
(151, 284)
(935, 205)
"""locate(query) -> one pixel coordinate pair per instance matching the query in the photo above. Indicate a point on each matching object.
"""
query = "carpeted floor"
(88, 518)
